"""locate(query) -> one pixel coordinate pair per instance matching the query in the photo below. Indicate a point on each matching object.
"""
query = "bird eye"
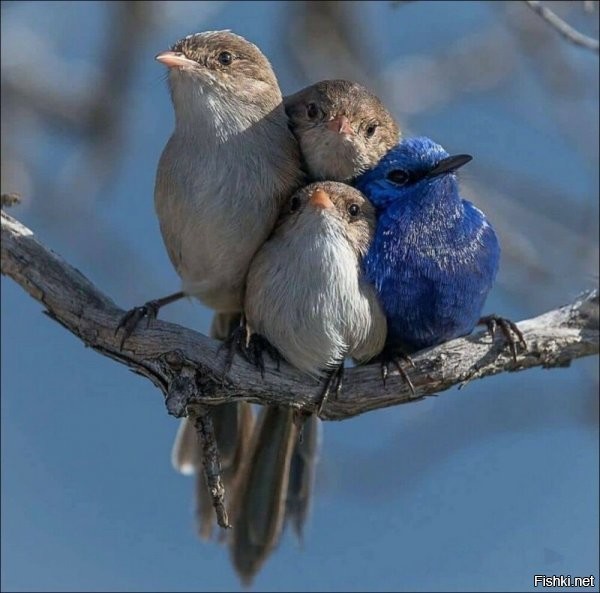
(398, 176)
(354, 210)
(295, 204)
(370, 130)
(312, 110)
(225, 58)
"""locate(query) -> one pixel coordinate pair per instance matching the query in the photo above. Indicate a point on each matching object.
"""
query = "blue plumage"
(435, 256)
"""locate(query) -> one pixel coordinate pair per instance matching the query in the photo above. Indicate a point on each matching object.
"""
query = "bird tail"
(268, 472)
(260, 505)
(302, 474)
(276, 486)
(233, 428)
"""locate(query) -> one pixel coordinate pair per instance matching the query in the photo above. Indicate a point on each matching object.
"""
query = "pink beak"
(173, 59)
(340, 125)
(321, 199)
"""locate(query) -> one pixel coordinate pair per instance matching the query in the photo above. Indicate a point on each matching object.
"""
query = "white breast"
(219, 186)
(306, 297)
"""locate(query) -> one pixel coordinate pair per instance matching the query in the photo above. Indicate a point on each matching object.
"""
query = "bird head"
(330, 209)
(343, 128)
(224, 66)
(416, 166)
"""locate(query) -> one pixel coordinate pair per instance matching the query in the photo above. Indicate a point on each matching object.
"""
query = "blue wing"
(432, 279)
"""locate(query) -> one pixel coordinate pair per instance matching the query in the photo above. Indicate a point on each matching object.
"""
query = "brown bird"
(342, 127)
(221, 180)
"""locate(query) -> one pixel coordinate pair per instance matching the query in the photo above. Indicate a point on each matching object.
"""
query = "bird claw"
(257, 347)
(236, 342)
(395, 359)
(130, 320)
(250, 347)
(508, 328)
(334, 381)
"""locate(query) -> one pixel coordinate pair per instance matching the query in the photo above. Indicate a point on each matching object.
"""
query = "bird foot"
(509, 330)
(251, 346)
(149, 310)
(259, 345)
(394, 358)
(130, 320)
(236, 342)
(333, 383)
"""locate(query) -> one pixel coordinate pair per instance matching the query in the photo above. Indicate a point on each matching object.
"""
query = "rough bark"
(188, 368)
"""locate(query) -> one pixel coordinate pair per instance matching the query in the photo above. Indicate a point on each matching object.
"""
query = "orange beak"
(340, 125)
(173, 59)
(321, 199)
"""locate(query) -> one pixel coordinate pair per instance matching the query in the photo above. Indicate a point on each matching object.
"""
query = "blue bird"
(434, 257)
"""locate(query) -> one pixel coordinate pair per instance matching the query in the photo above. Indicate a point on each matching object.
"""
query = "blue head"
(414, 168)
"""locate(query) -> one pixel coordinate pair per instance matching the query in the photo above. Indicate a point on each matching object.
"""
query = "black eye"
(370, 130)
(398, 176)
(312, 110)
(354, 210)
(295, 204)
(225, 58)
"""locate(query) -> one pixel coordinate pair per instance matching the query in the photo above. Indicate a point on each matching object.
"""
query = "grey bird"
(221, 180)
(342, 127)
(307, 297)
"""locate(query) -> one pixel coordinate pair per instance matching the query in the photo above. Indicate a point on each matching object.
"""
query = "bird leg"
(148, 310)
(237, 341)
(394, 356)
(333, 383)
(508, 328)
(257, 346)
(251, 346)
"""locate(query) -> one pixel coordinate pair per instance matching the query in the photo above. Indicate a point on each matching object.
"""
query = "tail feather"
(302, 474)
(267, 471)
(261, 503)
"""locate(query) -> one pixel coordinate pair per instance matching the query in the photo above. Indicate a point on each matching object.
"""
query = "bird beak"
(340, 125)
(173, 59)
(321, 200)
(450, 164)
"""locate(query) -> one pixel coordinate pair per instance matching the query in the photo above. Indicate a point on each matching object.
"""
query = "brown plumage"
(222, 178)
(342, 127)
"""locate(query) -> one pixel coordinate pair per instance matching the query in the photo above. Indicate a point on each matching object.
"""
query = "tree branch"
(186, 365)
(568, 32)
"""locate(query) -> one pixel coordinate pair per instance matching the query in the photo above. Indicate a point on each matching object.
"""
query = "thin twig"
(210, 458)
(186, 365)
(568, 32)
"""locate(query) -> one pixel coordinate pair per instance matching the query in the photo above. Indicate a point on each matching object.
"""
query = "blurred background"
(477, 490)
